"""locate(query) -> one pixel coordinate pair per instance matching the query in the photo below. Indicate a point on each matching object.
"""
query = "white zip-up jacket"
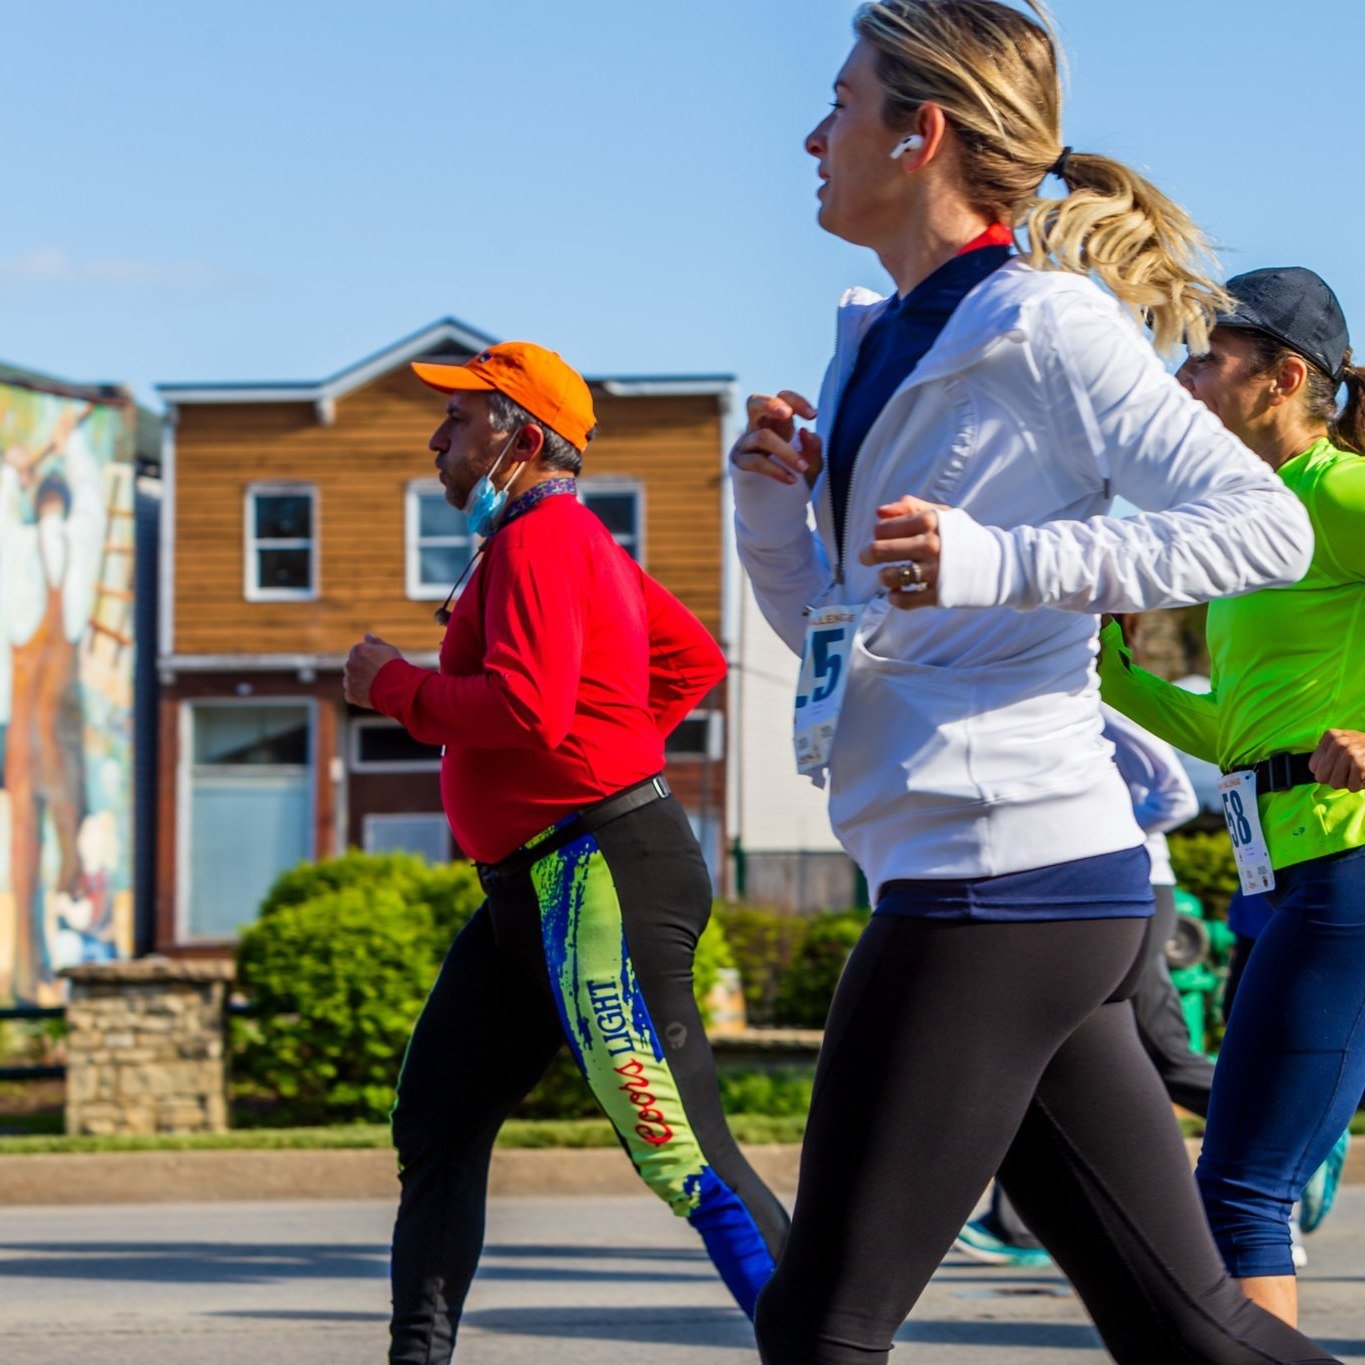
(969, 743)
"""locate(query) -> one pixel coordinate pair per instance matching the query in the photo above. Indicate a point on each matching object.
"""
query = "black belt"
(1282, 773)
(581, 823)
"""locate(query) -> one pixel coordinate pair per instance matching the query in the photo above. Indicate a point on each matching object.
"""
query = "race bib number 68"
(1243, 817)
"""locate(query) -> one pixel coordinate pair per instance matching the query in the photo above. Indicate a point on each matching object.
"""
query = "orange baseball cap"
(536, 379)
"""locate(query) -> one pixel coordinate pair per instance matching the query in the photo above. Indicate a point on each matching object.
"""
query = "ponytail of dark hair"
(1348, 427)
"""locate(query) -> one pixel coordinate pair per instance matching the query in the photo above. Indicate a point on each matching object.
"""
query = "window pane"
(441, 565)
(245, 829)
(284, 516)
(284, 569)
(426, 835)
(250, 734)
(690, 736)
(617, 510)
(436, 517)
(393, 744)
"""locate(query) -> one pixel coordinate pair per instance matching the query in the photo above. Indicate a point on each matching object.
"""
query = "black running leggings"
(593, 941)
(954, 1051)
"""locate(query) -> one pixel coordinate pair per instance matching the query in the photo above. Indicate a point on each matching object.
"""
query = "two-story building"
(296, 517)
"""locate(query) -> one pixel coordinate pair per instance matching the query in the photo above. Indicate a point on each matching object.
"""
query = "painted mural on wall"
(66, 688)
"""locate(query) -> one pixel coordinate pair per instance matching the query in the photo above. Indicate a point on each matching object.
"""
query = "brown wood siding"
(361, 466)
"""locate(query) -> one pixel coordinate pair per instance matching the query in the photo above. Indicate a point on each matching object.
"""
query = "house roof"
(147, 424)
(447, 336)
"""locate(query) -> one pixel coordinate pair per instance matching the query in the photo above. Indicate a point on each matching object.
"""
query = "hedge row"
(337, 967)
(339, 963)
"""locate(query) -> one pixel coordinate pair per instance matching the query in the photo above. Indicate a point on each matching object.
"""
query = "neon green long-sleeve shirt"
(1288, 664)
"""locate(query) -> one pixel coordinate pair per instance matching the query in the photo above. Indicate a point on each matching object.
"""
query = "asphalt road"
(574, 1279)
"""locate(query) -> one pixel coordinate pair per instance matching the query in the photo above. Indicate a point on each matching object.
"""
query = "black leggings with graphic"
(956, 1050)
(592, 943)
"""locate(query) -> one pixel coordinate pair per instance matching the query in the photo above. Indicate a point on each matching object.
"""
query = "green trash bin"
(1197, 954)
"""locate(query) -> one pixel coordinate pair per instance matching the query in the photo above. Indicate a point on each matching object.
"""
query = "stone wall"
(146, 1047)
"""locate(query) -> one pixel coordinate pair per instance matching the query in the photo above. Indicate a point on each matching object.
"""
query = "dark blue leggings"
(1292, 1067)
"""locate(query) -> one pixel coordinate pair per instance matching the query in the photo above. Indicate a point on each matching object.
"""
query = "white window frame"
(416, 589)
(617, 483)
(184, 793)
(377, 818)
(251, 583)
(358, 765)
(715, 739)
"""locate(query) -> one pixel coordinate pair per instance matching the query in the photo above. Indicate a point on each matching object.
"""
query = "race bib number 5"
(1238, 791)
(820, 691)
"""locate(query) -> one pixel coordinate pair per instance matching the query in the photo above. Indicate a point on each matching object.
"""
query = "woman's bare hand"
(906, 540)
(771, 443)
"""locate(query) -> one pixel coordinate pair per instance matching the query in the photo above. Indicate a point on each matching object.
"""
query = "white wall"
(773, 808)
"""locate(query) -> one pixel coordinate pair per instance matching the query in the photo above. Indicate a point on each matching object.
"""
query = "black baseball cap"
(1294, 306)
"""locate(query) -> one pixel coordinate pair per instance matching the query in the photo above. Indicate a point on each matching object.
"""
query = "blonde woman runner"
(973, 431)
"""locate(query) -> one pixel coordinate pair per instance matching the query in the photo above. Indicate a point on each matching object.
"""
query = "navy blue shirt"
(1106, 886)
(889, 351)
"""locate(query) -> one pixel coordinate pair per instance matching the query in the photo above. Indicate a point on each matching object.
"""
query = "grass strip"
(517, 1133)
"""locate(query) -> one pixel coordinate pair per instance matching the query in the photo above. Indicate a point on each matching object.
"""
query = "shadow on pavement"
(530, 1250)
(191, 1262)
(239, 1263)
(727, 1327)
(687, 1324)
(1061, 1336)
(321, 1315)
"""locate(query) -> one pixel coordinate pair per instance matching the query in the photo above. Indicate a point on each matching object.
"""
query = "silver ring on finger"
(911, 577)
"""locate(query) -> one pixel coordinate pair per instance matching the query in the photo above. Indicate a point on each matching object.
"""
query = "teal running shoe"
(1318, 1196)
(981, 1244)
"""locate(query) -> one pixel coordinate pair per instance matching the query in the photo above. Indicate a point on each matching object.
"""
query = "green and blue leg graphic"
(607, 1023)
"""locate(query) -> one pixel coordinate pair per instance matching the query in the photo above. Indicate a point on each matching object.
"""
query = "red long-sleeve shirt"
(563, 669)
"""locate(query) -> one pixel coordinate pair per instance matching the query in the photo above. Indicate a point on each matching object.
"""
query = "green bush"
(713, 955)
(336, 971)
(808, 984)
(781, 1093)
(1205, 867)
(449, 892)
(336, 983)
(764, 942)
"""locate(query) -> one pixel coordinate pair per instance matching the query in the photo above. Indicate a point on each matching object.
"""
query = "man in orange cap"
(563, 669)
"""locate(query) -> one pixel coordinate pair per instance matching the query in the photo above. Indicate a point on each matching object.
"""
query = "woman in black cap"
(1282, 721)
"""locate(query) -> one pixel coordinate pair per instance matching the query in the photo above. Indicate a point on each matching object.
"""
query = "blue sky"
(273, 191)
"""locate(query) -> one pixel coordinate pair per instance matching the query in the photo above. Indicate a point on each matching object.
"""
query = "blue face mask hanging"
(483, 513)
(486, 504)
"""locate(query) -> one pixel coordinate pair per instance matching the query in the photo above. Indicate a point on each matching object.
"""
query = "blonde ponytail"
(993, 70)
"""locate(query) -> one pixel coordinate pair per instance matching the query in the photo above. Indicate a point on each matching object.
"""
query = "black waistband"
(580, 823)
(1282, 773)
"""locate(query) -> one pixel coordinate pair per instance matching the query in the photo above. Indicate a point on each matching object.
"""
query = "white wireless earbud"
(913, 143)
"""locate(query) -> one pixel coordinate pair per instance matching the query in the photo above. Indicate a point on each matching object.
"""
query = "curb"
(219, 1176)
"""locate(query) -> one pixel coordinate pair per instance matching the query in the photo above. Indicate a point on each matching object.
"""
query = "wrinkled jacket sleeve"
(781, 553)
(1213, 520)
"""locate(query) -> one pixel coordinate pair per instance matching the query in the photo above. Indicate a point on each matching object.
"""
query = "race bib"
(1238, 791)
(820, 690)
